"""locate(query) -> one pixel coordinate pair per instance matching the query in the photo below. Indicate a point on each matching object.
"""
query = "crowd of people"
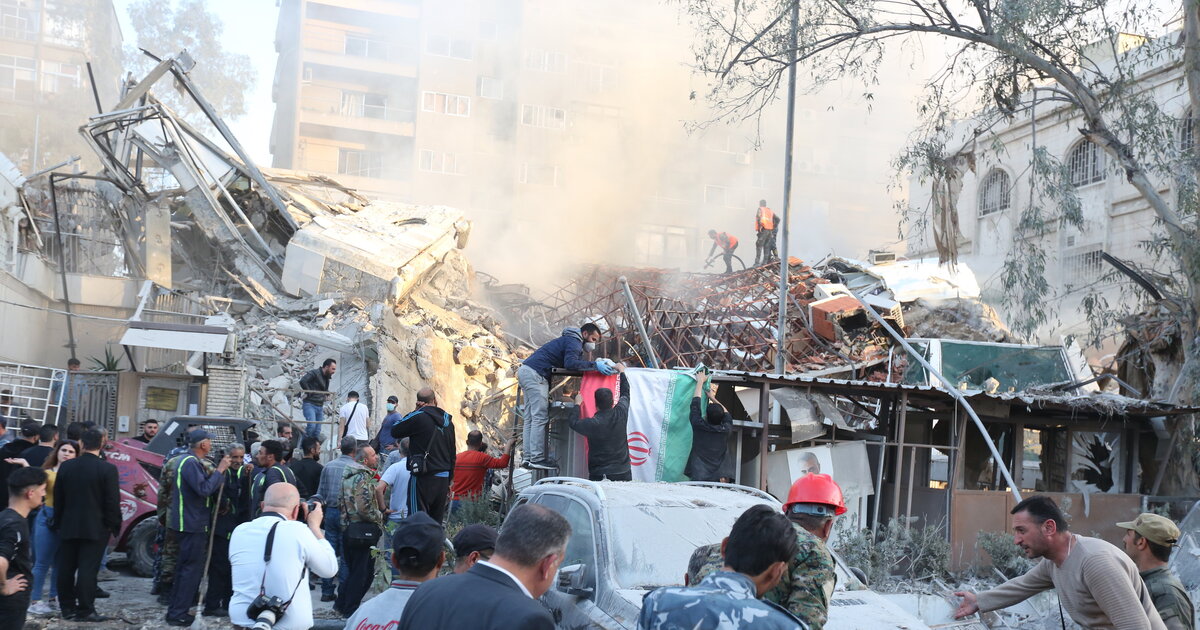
(250, 531)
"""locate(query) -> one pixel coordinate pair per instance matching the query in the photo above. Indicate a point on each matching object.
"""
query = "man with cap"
(189, 515)
(1148, 541)
(474, 543)
(807, 585)
(417, 556)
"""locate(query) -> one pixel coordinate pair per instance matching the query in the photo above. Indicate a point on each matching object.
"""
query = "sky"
(249, 30)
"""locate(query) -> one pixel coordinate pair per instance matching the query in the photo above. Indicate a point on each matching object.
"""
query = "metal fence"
(91, 238)
(43, 394)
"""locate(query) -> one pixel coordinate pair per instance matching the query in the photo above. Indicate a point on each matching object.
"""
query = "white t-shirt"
(357, 425)
(295, 547)
(397, 477)
(383, 610)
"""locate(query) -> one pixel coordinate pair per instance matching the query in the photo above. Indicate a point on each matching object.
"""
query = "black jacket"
(608, 436)
(480, 599)
(87, 502)
(308, 475)
(708, 445)
(12, 449)
(429, 430)
(315, 380)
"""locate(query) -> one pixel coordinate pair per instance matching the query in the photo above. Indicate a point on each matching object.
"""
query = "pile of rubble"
(438, 336)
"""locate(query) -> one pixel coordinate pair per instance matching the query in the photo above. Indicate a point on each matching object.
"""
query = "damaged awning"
(187, 337)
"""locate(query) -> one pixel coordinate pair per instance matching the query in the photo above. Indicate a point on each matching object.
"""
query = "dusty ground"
(133, 607)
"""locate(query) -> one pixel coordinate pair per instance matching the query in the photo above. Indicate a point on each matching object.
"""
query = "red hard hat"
(816, 488)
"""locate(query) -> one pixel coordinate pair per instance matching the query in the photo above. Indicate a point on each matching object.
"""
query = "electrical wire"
(58, 312)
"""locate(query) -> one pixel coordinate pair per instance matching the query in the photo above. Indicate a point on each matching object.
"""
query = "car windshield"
(653, 543)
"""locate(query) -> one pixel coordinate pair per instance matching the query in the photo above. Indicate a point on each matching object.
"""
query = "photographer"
(294, 549)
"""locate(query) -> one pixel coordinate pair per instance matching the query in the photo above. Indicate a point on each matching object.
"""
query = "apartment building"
(45, 92)
(548, 120)
(1116, 219)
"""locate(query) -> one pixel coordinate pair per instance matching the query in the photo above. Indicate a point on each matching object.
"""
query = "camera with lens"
(306, 507)
(265, 610)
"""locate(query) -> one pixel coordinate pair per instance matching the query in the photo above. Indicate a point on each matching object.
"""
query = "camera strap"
(262, 584)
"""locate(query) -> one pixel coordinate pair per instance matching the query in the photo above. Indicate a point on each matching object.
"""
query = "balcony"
(358, 51)
(347, 113)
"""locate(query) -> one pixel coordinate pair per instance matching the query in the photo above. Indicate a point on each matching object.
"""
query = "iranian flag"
(660, 432)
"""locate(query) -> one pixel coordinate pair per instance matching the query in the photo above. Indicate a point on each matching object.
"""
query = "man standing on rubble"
(607, 434)
(1097, 584)
(728, 243)
(430, 431)
(807, 586)
(315, 383)
(766, 226)
(534, 378)
(1148, 541)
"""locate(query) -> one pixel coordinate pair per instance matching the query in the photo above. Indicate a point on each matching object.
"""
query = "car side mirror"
(860, 574)
(571, 580)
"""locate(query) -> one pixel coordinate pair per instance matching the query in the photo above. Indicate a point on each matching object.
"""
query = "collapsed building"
(210, 285)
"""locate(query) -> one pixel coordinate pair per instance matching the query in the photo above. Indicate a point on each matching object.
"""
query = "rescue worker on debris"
(566, 352)
(727, 242)
(766, 227)
(756, 555)
(1097, 584)
(189, 515)
(807, 585)
(1148, 541)
(608, 437)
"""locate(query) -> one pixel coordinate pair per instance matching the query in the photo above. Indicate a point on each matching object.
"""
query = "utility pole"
(780, 358)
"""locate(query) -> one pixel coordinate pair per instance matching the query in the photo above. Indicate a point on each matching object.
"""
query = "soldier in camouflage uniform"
(357, 504)
(807, 586)
(1148, 541)
(756, 555)
(164, 538)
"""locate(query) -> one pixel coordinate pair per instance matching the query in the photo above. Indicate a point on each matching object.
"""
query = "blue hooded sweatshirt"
(563, 353)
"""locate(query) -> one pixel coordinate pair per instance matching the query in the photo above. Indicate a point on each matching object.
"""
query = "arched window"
(995, 193)
(1086, 163)
(1186, 142)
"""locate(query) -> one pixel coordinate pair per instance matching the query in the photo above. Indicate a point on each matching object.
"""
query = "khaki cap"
(1157, 529)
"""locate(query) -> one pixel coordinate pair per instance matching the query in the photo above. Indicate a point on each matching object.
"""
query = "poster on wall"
(845, 462)
(1095, 462)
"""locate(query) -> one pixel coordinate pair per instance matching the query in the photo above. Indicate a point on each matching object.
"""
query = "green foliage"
(1007, 558)
(166, 27)
(472, 511)
(897, 553)
(110, 363)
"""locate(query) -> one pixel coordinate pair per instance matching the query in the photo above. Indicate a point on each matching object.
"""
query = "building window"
(450, 104)
(440, 162)
(759, 178)
(545, 117)
(545, 61)
(490, 87)
(717, 195)
(1086, 164)
(1082, 267)
(446, 46)
(360, 163)
(360, 46)
(18, 22)
(367, 105)
(538, 174)
(995, 194)
(598, 77)
(661, 243)
(18, 78)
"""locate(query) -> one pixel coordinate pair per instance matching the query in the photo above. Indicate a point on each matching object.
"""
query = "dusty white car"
(631, 537)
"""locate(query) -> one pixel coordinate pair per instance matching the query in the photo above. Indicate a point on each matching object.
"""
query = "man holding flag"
(607, 433)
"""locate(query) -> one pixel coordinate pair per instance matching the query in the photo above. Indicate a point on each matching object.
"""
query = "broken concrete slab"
(324, 338)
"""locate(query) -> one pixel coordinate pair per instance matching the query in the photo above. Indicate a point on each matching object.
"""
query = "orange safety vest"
(765, 219)
(726, 240)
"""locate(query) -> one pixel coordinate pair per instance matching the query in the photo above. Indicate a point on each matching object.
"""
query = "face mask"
(589, 346)
(391, 407)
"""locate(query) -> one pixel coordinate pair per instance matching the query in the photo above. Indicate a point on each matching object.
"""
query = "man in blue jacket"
(534, 378)
(190, 515)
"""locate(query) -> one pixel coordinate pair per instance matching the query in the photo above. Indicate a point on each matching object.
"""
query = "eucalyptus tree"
(1001, 58)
